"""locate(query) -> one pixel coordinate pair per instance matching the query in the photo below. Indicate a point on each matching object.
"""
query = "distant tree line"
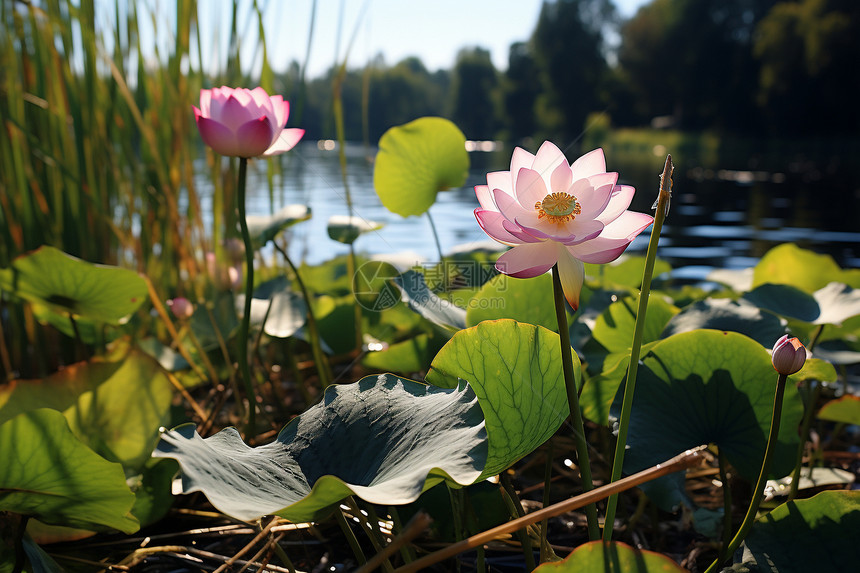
(748, 67)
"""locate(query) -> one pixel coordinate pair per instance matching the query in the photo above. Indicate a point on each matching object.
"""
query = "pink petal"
(254, 137)
(627, 225)
(571, 273)
(600, 250)
(518, 232)
(529, 260)
(589, 164)
(282, 110)
(507, 205)
(287, 139)
(530, 187)
(618, 203)
(595, 199)
(217, 136)
(260, 96)
(548, 158)
(491, 223)
(561, 178)
(519, 159)
(485, 198)
(234, 114)
(501, 180)
(205, 99)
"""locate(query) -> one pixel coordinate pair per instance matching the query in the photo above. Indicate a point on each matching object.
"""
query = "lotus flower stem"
(727, 499)
(244, 325)
(662, 206)
(758, 492)
(547, 482)
(682, 461)
(323, 370)
(509, 494)
(435, 236)
(573, 403)
(350, 536)
(815, 392)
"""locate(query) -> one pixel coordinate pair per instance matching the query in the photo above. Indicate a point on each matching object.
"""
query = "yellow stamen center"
(558, 208)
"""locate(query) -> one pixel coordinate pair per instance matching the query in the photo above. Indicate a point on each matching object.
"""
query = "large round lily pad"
(515, 370)
(113, 406)
(71, 286)
(417, 160)
(47, 473)
(708, 387)
(815, 534)
(613, 557)
(524, 300)
(384, 439)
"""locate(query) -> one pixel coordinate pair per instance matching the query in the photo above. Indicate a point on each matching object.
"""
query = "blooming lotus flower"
(245, 123)
(552, 212)
(789, 355)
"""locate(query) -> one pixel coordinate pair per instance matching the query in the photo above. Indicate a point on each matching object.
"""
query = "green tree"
(808, 52)
(521, 87)
(475, 94)
(692, 60)
(569, 49)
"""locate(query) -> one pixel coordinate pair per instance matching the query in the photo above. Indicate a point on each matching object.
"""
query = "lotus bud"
(181, 307)
(789, 355)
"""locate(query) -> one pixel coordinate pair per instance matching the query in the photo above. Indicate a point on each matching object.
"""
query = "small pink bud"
(788, 355)
(181, 307)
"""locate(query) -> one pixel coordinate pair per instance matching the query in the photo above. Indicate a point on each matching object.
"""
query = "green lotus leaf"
(410, 355)
(280, 310)
(831, 304)
(426, 303)
(811, 478)
(264, 228)
(515, 370)
(725, 314)
(788, 264)
(522, 300)
(47, 473)
(384, 439)
(346, 229)
(707, 387)
(69, 286)
(417, 160)
(614, 557)
(814, 534)
(626, 272)
(113, 406)
(838, 303)
(599, 391)
(612, 334)
(845, 410)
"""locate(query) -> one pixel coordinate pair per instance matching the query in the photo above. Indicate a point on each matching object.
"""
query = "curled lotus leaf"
(385, 439)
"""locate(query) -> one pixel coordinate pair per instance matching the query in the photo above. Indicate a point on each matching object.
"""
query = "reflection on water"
(719, 218)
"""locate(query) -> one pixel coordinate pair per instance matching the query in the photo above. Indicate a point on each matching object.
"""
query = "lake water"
(719, 218)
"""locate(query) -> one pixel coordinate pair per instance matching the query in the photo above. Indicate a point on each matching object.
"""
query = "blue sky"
(433, 30)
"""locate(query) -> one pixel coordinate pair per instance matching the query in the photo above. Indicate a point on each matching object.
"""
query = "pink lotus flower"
(789, 355)
(551, 213)
(245, 123)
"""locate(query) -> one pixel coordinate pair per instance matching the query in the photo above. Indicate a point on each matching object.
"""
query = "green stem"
(351, 539)
(573, 403)
(758, 492)
(727, 499)
(323, 369)
(435, 236)
(547, 481)
(636, 346)
(517, 512)
(814, 394)
(244, 326)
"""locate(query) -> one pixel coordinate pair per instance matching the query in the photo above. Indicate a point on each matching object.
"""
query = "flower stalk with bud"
(789, 356)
